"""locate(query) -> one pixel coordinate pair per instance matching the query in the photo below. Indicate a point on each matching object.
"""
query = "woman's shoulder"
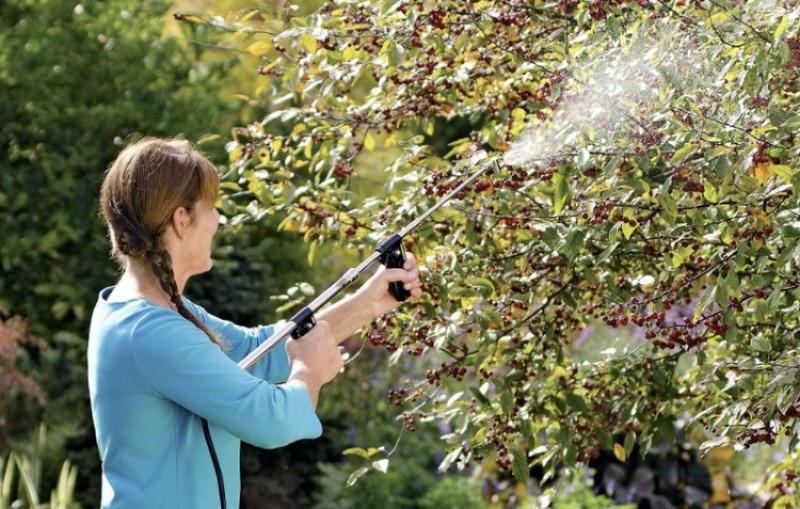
(132, 316)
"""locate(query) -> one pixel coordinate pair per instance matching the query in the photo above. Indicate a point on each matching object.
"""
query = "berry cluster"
(436, 18)
(453, 369)
(794, 53)
(343, 170)
(600, 212)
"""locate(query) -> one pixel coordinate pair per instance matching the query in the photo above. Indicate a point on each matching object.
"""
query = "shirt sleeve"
(176, 359)
(273, 367)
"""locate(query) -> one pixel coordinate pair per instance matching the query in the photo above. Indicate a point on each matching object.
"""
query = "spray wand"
(390, 253)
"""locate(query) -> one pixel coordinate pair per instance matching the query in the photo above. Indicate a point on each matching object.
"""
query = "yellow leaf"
(784, 24)
(759, 216)
(299, 128)
(250, 15)
(268, 67)
(312, 250)
(369, 141)
(628, 230)
(309, 43)
(784, 172)
(619, 453)
(763, 171)
(349, 53)
(721, 454)
(191, 18)
(721, 489)
(259, 48)
(468, 302)
(710, 193)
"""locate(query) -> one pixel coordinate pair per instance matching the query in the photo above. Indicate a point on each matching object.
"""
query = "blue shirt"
(153, 375)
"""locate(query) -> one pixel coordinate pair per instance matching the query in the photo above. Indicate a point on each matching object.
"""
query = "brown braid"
(148, 181)
(161, 263)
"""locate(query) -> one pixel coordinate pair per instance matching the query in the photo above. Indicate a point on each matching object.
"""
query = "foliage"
(454, 492)
(14, 337)
(580, 496)
(78, 79)
(640, 167)
(21, 480)
(58, 137)
(780, 488)
(388, 470)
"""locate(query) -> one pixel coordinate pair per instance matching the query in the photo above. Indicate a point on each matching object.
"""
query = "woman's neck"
(140, 282)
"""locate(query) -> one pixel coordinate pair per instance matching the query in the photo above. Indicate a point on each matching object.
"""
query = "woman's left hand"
(374, 294)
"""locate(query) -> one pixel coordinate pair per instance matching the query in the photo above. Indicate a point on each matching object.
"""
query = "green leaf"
(722, 295)
(683, 152)
(668, 206)
(630, 442)
(784, 171)
(576, 402)
(355, 475)
(605, 436)
(484, 286)
(519, 465)
(482, 399)
(573, 243)
(449, 459)
(760, 343)
(708, 297)
(561, 192)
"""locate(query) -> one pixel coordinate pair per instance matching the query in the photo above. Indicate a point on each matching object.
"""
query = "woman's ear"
(181, 219)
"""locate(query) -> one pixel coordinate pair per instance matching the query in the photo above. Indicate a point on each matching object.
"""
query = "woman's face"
(205, 222)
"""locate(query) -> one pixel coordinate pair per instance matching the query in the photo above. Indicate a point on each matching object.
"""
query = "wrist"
(306, 378)
(302, 373)
(362, 307)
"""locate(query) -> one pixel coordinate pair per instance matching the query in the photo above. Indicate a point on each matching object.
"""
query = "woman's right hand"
(315, 358)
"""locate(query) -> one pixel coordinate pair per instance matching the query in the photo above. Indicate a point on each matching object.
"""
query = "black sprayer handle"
(394, 258)
(305, 322)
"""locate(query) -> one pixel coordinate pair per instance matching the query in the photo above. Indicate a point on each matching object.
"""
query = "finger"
(413, 285)
(402, 275)
(410, 262)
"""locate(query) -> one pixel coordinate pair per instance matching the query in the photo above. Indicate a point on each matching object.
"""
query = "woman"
(169, 402)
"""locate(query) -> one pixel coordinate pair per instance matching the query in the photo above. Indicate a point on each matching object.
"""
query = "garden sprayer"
(390, 253)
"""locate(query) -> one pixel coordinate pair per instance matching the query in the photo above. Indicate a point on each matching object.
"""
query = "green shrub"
(22, 485)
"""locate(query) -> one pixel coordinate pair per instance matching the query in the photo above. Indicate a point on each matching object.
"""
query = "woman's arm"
(273, 367)
(176, 360)
(371, 300)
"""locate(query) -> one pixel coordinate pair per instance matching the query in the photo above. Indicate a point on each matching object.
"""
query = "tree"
(13, 338)
(640, 167)
(79, 79)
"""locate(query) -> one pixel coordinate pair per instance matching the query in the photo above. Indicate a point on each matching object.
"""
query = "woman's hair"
(142, 188)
